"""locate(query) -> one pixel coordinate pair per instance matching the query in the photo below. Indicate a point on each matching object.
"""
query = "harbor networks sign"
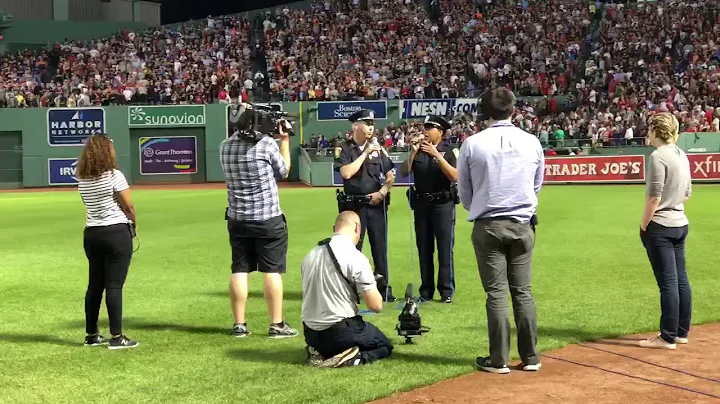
(166, 116)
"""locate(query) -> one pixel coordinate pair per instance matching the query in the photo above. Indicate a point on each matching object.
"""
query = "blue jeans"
(665, 248)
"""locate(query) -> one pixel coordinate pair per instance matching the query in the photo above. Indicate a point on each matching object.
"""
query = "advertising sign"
(62, 171)
(704, 166)
(397, 170)
(341, 110)
(582, 169)
(71, 126)
(445, 107)
(168, 155)
(166, 116)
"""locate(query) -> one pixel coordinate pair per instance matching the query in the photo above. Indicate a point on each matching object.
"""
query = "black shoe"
(486, 365)
(95, 340)
(240, 330)
(446, 299)
(390, 298)
(313, 357)
(122, 342)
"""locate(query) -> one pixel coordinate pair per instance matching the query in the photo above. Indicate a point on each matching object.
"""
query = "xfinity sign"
(62, 171)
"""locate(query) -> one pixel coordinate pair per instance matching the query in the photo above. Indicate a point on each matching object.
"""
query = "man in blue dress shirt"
(500, 173)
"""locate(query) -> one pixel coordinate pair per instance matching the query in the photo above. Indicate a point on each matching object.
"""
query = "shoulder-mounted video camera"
(409, 321)
(255, 121)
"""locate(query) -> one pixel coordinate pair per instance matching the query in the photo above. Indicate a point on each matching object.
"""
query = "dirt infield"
(177, 187)
(602, 371)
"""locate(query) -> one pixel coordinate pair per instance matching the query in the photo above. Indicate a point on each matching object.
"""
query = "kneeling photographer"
(251, 160)
(334, 275)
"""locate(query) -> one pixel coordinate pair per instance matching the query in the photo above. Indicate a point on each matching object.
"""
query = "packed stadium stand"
(587, 72)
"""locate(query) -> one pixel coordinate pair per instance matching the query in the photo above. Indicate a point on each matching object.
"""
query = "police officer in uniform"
(433, 198)
(368, 176)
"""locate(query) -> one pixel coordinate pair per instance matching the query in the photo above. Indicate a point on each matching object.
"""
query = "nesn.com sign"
(62, 171)
(72, 126)
(446, 107)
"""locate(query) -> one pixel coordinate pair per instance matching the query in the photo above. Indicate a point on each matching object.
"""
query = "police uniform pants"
(373, 221)
(435, 222)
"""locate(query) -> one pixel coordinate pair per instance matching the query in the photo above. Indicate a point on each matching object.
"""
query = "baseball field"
(592, 280)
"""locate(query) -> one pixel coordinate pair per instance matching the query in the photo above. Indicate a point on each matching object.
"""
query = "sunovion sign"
(62, 171)
(166, 116)
(72, 126)
(446, 107)
(342, 110)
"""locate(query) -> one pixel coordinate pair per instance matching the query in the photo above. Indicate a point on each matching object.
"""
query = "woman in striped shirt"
(108, 237)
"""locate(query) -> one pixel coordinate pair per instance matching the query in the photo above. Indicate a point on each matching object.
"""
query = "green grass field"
(591, 279)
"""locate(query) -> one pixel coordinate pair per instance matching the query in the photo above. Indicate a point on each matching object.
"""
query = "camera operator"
(367, 173)
(256, 224)
(334, 275)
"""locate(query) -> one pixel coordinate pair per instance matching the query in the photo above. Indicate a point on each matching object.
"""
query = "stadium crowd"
(613, 67)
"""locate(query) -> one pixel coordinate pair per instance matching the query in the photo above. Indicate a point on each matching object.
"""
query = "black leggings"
(109, 251)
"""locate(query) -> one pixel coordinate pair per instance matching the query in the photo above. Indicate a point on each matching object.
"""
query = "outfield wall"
(179, 144)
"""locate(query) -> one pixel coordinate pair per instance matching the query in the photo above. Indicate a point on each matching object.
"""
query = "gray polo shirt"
(327, 298)
(669, 178)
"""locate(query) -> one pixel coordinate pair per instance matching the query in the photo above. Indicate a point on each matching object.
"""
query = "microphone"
(409, 291)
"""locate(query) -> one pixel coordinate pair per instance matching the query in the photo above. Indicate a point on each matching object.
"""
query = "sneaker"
(657, 343)
(313, 357)
(349, 357)
(240, 330)
(282, 331)
(95, 340)
(122, 342)
(486, 365)
(680, 340)
(446, 299)
(531, 368)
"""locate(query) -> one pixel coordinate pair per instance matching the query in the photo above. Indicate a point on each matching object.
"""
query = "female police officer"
(433, 199)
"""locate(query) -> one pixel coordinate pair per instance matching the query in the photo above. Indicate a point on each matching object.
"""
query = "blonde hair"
(665, 127)
(97, 157)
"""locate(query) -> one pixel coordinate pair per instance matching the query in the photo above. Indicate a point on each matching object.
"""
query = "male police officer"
(433, 199)
(367, 173)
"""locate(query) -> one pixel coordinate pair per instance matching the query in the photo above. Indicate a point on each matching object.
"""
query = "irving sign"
(584, 169)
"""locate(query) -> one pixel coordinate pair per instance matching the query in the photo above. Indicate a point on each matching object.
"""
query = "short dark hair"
(498, 103)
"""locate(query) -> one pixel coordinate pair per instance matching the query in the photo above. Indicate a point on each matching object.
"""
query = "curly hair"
(97, 157)
(664, 126)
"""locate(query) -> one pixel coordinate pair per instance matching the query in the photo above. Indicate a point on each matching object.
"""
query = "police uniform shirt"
(429, 177)
(371, 175)
(327, 297)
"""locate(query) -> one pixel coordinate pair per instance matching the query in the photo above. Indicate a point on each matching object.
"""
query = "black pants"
(435, 222)
(109, 250)
(373, 344)
(373, 220)
(665, 248)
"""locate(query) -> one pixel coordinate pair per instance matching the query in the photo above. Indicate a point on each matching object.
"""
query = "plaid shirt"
(250, 169)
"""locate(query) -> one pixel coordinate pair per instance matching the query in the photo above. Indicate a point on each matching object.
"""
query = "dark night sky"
(173, 11)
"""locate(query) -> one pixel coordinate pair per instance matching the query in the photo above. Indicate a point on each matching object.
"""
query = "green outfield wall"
(179, 144)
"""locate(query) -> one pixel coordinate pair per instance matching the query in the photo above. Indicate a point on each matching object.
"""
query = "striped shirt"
(500, 173)
(250, 169)
(101, 203)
